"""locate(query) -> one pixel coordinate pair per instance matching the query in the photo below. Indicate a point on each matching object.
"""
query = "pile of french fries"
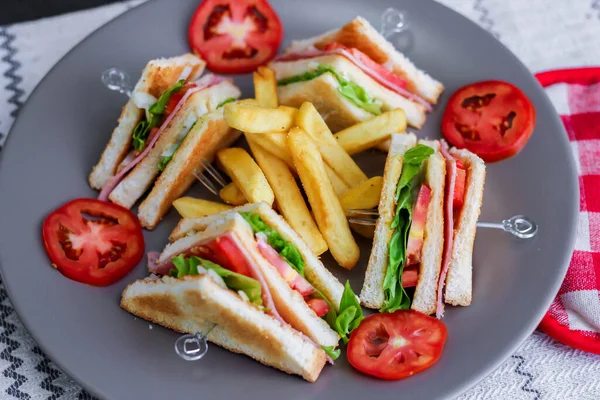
(289, 142)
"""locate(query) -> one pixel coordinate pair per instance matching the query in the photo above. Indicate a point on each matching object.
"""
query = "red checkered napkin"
(574, 316)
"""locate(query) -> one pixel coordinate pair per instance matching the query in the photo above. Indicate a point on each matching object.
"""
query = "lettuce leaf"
(331, 352)
(286, 250)
(155, 112)
(396, 297)
(234, 281)
(350, 314)
(353, 92)
(167, 159)
(229, 100)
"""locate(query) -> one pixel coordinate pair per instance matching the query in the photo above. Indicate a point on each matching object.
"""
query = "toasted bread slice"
(194, 303)
(360, 34)
(289, 303)
(139, 180)
(315, 272)
(425, 297)
(372, 294)
(459, 281)
(324, 98)
(210, 134)
(157, 77)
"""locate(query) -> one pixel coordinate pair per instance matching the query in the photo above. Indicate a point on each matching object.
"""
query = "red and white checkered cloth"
(574, 316)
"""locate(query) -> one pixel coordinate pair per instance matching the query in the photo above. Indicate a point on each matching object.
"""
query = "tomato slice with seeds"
(493, 119)
(235, 36)
(396, 345)
(93, 241)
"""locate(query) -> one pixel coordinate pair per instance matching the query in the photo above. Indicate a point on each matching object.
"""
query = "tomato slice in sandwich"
(93, 241)
(396, 345)
(416, 233)
(235, 36)
(176, 98)
(229, 256)
(459, 186)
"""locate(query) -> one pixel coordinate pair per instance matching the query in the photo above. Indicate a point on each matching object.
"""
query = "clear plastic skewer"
(117, 80)
(192, 347)
(392, 21)
(520, 226)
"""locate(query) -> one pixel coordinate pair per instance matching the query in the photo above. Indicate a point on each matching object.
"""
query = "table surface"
(14, 11)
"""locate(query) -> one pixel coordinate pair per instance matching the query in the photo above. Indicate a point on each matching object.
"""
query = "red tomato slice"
(319, 306)
(93, 241)
(493, 119)
(410, 276)
(396, 345)
(417, 226)
(370, 64)
(227, 255)
(235, 36)
(459, 186)
(176, 98)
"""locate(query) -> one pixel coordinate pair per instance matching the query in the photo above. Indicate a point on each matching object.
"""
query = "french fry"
(370, 133)
(251, 119)
(276, 144)
(231, 194)
(326, 206)
(309, 120)
(364, 196)
(248, 102)
(289, 198)
(265, 87)
(339, 186)
(246, 175)
(190, 207)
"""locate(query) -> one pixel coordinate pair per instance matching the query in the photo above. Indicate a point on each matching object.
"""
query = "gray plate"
(68, 119)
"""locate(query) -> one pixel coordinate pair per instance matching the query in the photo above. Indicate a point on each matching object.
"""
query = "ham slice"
(448, 225)
(313, 53)
(203, 83)
(291, 276)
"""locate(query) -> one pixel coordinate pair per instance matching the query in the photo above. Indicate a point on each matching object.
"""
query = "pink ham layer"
(373, 74)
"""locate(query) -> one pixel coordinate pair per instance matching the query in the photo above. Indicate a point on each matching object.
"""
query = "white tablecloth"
(544, 34)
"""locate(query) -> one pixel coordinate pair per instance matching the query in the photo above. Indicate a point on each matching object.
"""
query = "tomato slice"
(396, 345)
(319, 306)
(459, 186)
(176, 98)
(410, 276)
(416, 233)
(370, 64)
(227, 255)
(493, 119)
(93, 241)
(235, 36)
